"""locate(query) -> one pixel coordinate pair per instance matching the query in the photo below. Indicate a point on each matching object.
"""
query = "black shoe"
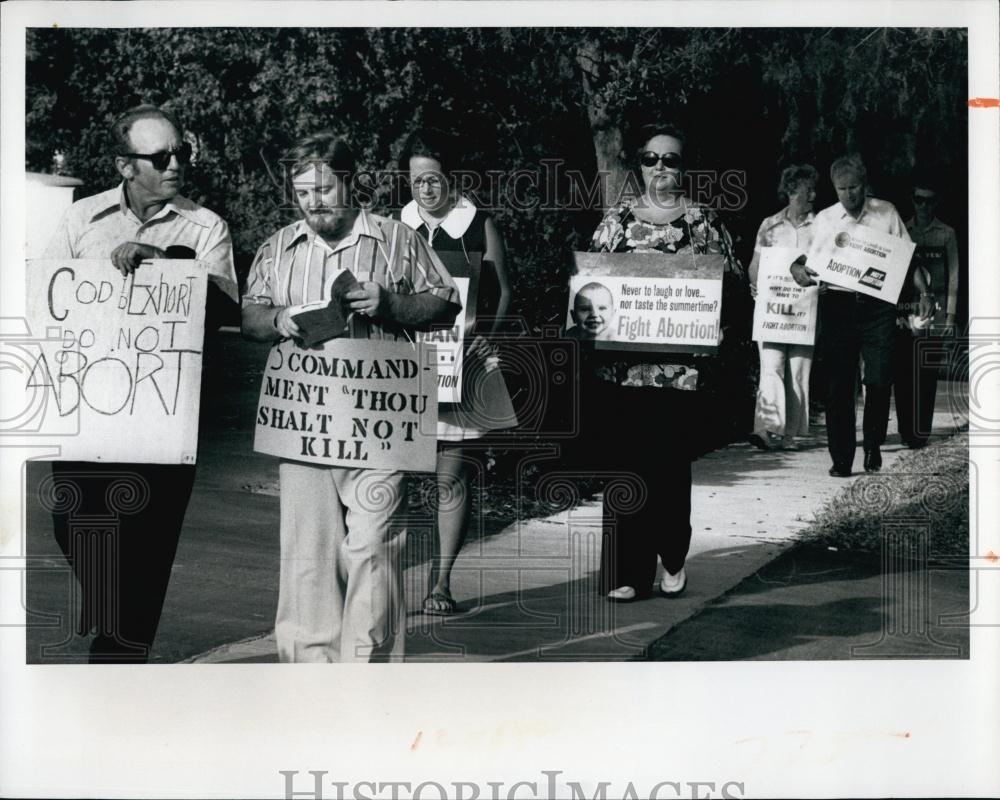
(873, 460)
(839, 472)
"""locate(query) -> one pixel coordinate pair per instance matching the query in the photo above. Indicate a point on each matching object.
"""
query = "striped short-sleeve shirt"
(296, 266)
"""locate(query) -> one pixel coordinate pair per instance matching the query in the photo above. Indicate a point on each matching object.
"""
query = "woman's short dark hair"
(120, 131)
(325, 146)
(793, 175)
(647, 132)
(430, 143)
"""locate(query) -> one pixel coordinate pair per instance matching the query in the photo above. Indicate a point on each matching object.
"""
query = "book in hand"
(324, 320)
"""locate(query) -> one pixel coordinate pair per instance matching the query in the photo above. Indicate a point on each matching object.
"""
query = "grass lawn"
(930, 484)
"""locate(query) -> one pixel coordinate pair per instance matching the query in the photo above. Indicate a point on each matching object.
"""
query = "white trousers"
(340, 596)
(783, 393)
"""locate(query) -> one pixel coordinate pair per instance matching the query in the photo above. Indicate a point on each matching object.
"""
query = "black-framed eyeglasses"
(669, 160)
(920, 199)
(161, 160)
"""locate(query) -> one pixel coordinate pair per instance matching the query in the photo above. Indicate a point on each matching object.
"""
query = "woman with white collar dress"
(451, 222)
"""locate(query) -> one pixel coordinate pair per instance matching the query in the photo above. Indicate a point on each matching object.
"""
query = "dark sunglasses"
(919, 199)
(670, 160)
(161, 160)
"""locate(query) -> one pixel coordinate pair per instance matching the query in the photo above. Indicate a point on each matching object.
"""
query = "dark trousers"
(915, 375)
(118, 527)
(855, 325)
(640, 439)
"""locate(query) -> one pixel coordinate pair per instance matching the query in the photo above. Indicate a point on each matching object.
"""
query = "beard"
(331, 223)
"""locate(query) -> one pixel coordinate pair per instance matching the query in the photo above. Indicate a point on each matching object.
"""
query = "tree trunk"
(606, 132)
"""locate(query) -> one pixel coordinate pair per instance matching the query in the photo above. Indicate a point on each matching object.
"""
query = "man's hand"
(368, 299)
(285, 325)
(485, 352)
(927, 306)
(128, 255)
(802, 274)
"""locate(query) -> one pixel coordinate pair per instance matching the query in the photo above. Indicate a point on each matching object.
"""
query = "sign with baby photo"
(785, 313)
(652, 302)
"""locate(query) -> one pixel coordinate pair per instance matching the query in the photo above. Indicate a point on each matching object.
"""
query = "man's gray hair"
(850, 163)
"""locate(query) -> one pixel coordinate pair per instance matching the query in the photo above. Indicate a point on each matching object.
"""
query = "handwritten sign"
(362, 403)
(646, 301)
(119, 359)
(862, 259)
(450, 342)
(785, 312)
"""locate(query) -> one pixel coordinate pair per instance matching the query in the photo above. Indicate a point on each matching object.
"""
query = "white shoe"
(673, 585)
(623, 594)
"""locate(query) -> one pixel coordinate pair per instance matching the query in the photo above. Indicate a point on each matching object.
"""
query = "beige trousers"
(340, 596)
(783, 392)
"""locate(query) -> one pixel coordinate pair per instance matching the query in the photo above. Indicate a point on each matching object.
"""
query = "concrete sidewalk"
(529, 592)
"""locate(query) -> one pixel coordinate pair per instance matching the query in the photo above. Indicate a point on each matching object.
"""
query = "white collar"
(455, 223)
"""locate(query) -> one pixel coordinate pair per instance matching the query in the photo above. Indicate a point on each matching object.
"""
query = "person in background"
(852, 324)
(144, 217)
(450, 222)
(340, 590)
(782, 411)
(661, 393)
(916, 365)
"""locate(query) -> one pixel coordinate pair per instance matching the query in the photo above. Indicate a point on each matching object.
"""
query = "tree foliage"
(752, 100)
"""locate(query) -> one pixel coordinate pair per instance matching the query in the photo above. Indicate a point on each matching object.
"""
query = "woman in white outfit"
(782, 413)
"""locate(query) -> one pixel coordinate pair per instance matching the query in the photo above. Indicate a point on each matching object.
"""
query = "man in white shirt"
(120, 534)
(853, 324)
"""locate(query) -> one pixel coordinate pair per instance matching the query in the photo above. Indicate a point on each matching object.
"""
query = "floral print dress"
(698, 229)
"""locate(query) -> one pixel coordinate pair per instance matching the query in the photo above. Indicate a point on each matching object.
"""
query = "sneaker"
(623, 594)
(673, 585)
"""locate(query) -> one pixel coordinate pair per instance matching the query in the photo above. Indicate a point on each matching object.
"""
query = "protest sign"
(115, 369)
(363, 403)
(652, 301)
(464, 269)
(785, 313)
(862, 259)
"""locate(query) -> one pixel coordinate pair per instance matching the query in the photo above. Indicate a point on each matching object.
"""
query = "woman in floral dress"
(654, 397)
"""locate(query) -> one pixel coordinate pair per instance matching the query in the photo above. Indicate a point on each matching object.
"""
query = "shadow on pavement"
(815, 604)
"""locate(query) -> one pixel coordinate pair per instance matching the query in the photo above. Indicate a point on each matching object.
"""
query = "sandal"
(439, 604)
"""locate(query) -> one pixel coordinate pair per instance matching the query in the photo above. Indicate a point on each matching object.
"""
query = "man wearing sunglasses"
(124, 566)
(918, 350)
(852, 325)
